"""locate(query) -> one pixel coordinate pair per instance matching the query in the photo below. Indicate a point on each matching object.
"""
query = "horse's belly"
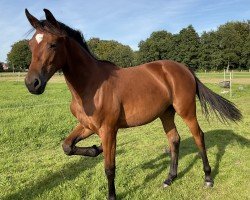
(143, 111)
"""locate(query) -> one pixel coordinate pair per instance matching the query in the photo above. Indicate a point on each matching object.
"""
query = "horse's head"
(48, 51)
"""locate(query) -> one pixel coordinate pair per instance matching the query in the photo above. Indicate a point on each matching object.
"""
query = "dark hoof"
(169, 180)
(92, 151)
(167, 183)
(67, 149)
(208, 184)
(112, 198)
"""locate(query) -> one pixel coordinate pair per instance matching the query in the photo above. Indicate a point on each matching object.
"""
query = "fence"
(19, 76)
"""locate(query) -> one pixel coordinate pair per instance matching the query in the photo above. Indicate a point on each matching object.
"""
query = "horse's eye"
(52, 45)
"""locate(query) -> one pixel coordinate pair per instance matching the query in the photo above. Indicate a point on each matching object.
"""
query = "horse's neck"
(83, 73)
(80, 68)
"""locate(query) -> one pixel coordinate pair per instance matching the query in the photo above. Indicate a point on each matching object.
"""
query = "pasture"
(33, 165)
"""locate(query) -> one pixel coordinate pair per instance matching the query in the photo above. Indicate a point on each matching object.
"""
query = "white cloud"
(125, 21)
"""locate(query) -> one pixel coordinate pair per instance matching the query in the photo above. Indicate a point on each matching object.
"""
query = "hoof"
(92, 151)
(167, 183)
(112, 198)
(67, 149)
(208, 184)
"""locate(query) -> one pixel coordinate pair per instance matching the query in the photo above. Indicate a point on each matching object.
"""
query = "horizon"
(122, 21)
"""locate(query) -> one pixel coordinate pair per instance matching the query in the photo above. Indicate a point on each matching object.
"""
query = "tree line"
(226, 47)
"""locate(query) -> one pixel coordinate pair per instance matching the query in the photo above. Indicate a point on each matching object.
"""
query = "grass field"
(33, 165)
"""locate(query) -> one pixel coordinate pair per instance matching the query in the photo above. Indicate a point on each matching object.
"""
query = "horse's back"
(167, 75)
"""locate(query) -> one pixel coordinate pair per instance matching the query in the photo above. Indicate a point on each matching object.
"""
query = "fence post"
(230, 84)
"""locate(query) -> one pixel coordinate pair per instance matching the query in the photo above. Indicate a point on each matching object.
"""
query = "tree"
(113, 51)
(245, 59)
(233, 37)
(19, 57)
(186, 45)
(226, 47)
(230, 43)
(210, 53)
(156, 47)
(1, 66)
(243, 28)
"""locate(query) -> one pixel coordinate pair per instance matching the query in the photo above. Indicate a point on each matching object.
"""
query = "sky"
(126, 21)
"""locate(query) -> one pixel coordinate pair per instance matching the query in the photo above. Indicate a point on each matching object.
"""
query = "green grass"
(33, 165)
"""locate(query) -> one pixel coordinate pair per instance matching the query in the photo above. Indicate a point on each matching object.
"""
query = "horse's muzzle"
(35, 84)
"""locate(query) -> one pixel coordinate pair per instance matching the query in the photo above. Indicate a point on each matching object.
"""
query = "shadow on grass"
(67, 173)
(217, 138)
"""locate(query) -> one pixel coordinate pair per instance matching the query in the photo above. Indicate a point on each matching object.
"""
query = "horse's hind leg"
(174, 141)
(78, 134)
(189, 116)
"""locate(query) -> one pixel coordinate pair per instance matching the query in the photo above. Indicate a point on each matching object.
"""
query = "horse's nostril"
(37, 83)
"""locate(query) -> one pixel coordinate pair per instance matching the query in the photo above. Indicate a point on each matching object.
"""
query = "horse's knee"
(67, 149)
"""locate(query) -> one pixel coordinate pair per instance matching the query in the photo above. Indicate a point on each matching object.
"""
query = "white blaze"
(39, 38)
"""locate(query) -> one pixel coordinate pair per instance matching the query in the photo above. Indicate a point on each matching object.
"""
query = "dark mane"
(70, 32)
(67, 31)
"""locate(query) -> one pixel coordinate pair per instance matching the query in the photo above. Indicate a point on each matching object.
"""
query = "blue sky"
(127, 21)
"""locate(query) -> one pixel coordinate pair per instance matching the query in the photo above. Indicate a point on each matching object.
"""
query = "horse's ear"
(33, 21)
(50, 18)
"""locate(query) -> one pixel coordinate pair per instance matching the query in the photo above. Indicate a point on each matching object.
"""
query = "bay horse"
(106, 97)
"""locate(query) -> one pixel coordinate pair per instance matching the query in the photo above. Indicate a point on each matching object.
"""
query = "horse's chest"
(86, 117)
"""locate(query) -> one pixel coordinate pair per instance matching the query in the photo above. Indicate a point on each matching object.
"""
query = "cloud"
(125, 21)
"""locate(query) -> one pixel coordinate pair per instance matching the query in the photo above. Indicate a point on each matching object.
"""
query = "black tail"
(223, 108)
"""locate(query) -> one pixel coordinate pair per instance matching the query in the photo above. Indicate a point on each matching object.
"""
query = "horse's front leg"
(78, 134)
